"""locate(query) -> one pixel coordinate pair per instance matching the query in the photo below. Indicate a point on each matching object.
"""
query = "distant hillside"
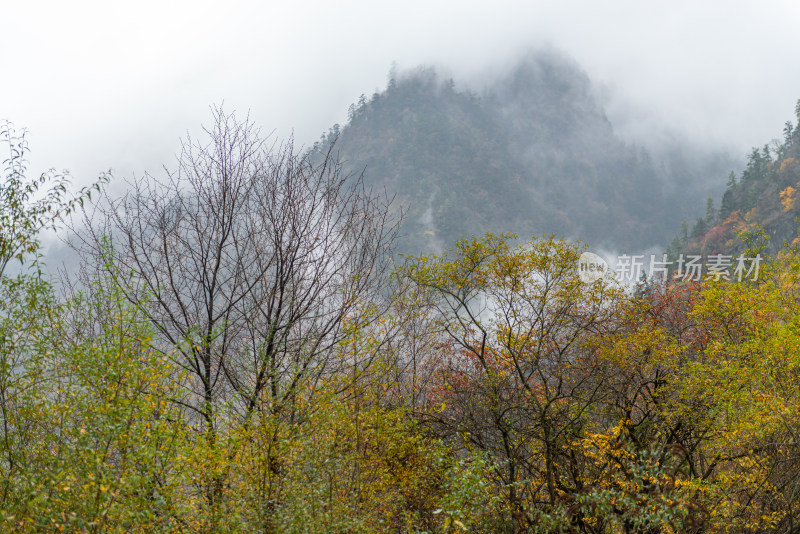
(765, 195)
(533, 154)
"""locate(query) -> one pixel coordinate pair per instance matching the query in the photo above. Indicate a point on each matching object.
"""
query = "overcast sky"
(112, 84)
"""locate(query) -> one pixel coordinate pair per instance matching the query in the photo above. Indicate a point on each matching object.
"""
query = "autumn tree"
(518, 378)
(29, 206)
(246, 260)
(746, 383)
(88, 426)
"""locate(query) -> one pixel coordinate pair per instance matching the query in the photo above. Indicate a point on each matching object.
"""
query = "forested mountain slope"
(533, 153)
(762, 199)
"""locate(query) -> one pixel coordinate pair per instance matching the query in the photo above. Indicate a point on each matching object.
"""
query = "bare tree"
(246, 259)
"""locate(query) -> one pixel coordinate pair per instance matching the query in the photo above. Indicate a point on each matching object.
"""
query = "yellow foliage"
(788, 198)
(788, 164)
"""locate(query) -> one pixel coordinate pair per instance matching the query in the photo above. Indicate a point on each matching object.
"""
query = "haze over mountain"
(761, 200)
(531, 152)
(222, 335)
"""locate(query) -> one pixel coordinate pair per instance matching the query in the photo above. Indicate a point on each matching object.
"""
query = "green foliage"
(369, 470)
(97, 449)
(30, 205)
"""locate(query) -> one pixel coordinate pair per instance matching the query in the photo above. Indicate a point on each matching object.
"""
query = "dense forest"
(761, 199)
(242, 351)
(533, 153)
